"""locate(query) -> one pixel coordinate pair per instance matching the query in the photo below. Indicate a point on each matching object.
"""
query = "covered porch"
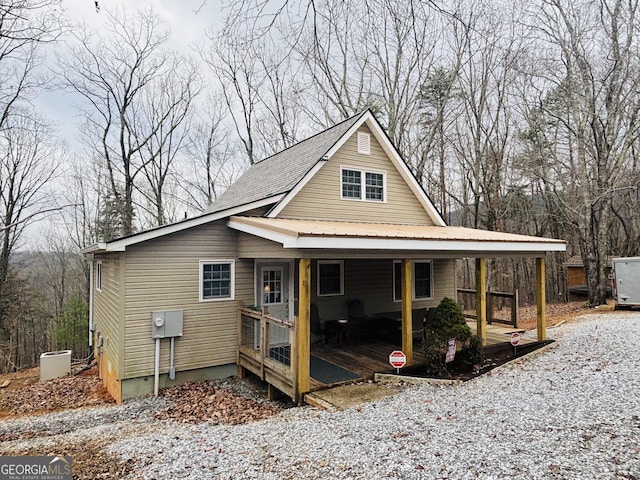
(373, 263)
(348, 360)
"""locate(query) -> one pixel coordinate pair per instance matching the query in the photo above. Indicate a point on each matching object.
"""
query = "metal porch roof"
(316, 234)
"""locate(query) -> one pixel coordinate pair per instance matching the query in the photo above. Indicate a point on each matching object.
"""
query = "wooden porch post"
(541, 299)
(303, 340)
(481, 299)
(407, 321)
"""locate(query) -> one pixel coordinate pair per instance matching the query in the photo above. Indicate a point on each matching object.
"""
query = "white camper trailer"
(626, 282)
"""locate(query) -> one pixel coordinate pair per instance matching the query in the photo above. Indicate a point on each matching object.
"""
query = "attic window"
(363, 185)
(364, 143)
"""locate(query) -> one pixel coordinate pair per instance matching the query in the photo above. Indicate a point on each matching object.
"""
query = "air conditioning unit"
(55, 364)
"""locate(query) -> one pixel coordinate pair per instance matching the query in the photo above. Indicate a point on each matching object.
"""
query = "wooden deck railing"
(490, 303)
(267, 348)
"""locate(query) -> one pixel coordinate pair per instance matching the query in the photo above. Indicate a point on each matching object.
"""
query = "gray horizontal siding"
(320, 197)
(250, 246)
(108, 307)
(372, 282)
(163, 274)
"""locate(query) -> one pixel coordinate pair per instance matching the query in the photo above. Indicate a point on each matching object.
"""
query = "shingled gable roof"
(276, 179)
(280, 173)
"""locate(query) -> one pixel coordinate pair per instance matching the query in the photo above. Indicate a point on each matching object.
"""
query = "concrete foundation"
(141, 386)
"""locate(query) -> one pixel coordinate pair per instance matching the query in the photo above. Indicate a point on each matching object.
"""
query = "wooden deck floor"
(363, 358)
(366, 358)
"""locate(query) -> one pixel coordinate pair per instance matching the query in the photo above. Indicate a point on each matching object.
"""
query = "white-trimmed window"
(99, 276)
(330, 277)
(364, 143)
(365, 185)
(422, 276)
(217, 280)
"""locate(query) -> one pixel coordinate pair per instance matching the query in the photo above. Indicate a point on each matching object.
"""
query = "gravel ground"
(571, 412)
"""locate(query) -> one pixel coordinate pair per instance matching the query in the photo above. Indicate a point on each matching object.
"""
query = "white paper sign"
(451, 350)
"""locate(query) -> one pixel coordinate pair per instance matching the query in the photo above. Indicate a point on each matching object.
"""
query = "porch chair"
(358, 318)
(317, 330)
(421, 317)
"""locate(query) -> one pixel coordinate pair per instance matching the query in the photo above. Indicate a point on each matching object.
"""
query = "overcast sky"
(186, 19)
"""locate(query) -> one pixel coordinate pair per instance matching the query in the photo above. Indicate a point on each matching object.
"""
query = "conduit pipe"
(172, 368)
(156, 380)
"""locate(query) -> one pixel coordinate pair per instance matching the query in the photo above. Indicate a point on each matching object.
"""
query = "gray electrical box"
(166, 323)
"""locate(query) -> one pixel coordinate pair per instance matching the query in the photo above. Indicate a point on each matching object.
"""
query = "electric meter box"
(166, 323)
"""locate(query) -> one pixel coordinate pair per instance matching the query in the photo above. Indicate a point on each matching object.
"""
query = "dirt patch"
(351, 395)
(494, 356)
(191, 403)
(27, 395)
(17, 380)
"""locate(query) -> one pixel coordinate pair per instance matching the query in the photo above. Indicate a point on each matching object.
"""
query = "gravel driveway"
(572, 412)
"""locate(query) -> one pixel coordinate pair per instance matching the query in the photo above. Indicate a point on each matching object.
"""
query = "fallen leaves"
(56, 394)
(90, 459)
(206, 402)
(557, 313)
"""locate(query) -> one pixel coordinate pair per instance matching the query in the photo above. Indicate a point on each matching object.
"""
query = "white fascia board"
(348, 135)
(96, 247)
(336, 146)
(417, 244)
(121, 245)
(292, 194)
(287, 241)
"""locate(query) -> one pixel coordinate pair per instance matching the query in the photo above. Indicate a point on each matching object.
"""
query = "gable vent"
(364, 143)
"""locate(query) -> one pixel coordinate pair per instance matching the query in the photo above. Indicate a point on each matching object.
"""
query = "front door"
(272, 288)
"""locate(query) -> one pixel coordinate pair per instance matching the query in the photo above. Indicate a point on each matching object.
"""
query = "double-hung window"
(362, 185)
(216, 280)
(330, 277)
(421, 276)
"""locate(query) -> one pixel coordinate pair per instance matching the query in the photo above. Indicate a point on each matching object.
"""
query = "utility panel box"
(626, 281)
(166, 323)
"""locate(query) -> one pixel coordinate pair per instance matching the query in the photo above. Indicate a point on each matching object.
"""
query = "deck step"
(315, 401)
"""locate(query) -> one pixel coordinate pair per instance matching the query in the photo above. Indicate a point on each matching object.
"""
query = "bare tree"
(28, 164)
(166, 111)
(119, 75)
(212, 164)
(591, 100)
(25, 25)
